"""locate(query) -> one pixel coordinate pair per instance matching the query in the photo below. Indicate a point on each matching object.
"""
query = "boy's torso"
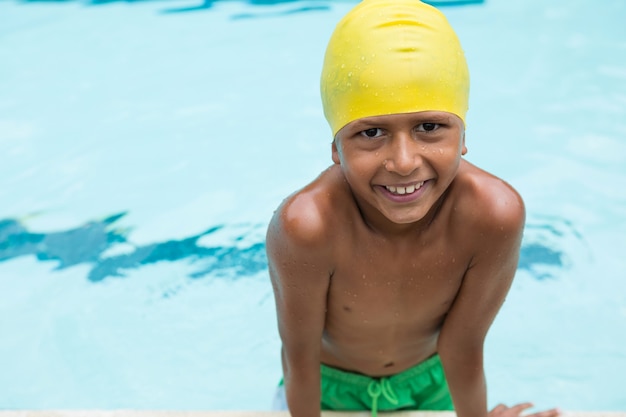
(388, 297)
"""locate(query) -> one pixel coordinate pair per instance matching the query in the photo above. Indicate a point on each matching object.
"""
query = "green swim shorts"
(422, 387)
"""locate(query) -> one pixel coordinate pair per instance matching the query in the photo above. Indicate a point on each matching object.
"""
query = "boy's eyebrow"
(433, 117)
(377, 121)
(367, 123)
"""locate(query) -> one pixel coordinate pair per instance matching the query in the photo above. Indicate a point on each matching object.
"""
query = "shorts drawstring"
(376, 388)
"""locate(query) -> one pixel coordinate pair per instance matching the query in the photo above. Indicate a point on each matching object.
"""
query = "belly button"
(387, 365)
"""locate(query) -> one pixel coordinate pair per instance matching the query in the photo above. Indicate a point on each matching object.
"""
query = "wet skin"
(398, 251)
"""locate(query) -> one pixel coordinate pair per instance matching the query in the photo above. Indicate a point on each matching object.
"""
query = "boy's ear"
(335, 152)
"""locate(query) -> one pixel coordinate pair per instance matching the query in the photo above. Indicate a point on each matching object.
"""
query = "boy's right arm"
(298, 257)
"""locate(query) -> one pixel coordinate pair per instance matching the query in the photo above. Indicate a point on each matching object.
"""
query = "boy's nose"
(404, 156)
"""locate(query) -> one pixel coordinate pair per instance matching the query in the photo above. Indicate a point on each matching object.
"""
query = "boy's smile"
(403, 193)
(399, 165)
(404, 189)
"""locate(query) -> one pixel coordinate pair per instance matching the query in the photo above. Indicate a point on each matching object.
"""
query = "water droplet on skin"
(440, 151)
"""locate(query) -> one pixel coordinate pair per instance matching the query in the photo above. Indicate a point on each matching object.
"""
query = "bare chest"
(378, 284)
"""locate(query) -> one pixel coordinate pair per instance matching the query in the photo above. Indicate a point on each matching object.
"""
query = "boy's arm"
(298, 263)
(485, 285)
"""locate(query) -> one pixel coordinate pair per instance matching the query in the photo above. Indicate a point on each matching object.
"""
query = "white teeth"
(404, 190)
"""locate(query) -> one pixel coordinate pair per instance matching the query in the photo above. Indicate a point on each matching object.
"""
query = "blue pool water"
(144, 146)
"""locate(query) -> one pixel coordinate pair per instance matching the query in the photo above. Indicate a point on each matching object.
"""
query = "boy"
(389, 268)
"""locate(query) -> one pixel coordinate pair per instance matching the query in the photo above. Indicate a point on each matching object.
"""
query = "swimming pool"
(144, 146)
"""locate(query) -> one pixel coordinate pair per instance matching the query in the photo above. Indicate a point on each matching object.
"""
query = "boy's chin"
(404, 218)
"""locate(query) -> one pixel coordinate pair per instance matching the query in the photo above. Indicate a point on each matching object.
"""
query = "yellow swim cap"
(393, 56)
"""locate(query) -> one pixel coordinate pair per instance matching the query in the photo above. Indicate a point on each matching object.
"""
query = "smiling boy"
(389, 268)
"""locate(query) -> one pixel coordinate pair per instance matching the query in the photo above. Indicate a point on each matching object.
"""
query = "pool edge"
(230, 413)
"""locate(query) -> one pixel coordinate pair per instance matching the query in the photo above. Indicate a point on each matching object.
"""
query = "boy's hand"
(502, 410)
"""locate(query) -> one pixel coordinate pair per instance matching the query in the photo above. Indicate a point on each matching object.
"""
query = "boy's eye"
(428, 127)
(372, 133)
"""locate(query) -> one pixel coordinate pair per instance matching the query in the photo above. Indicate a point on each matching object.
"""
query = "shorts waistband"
(364, 380)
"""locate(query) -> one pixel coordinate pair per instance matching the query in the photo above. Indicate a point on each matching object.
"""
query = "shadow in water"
(308, 7)
(89, 244)
(540, 254)
(535, 254)
(302, 5)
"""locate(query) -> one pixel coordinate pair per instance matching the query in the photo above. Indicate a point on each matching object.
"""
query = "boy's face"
(400, 164)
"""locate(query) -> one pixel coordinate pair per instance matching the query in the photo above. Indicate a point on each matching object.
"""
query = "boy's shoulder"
(486, 201)
(311, 215)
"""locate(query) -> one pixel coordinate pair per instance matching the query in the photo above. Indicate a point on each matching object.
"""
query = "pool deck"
(147, 413)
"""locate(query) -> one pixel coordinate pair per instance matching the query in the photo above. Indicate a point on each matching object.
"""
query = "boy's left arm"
(484, 288)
